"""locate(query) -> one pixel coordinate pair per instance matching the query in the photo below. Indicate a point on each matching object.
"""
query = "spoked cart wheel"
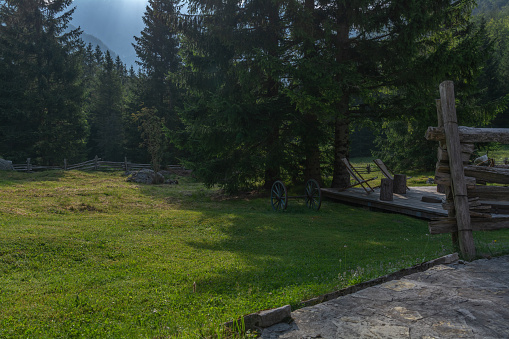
(278, 196)
(313, 195)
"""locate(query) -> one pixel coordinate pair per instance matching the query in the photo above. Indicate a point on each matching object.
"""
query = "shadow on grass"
(16, 178)
(290, 257)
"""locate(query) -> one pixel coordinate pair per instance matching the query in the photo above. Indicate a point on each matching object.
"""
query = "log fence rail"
(95, 164)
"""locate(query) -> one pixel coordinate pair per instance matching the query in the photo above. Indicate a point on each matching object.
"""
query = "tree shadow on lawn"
(11, 178)
(298, 254)
(290, 257)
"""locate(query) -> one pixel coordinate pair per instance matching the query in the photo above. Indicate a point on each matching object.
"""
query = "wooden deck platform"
(409, 203)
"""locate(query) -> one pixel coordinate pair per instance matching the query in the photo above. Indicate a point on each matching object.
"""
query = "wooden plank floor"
(409, 203)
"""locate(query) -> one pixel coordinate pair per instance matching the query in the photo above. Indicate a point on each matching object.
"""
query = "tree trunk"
(273, 157)
(311, 133)
(341, 177)
(311, 148)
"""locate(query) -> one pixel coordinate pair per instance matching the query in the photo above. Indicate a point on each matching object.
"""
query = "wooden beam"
(490, 193)
(448, 225)
(495, 175)
(445, 179)
(448, 206)
(446, 188)
(459, 186)
(442, 154)
(471, 134)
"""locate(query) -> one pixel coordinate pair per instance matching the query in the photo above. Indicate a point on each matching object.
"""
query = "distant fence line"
(90, 165)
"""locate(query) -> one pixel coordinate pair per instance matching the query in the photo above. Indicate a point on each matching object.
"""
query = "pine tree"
(236, 109)
(157, 50)
(106, 114)
(41, 98)
(371, 58)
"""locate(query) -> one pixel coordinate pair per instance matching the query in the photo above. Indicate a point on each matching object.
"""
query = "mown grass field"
(88, 255)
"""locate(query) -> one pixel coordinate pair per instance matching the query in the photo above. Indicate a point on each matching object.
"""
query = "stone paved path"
(468, 300)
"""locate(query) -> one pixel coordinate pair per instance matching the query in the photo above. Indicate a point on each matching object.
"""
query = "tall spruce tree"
(401, 143)
(236, 109)
(106, 113)
(157, 50)
(266, 78)
(41, 93)
(495, 76)
(369, 54)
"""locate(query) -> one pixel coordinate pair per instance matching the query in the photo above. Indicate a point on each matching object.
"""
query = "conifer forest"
(247, 92)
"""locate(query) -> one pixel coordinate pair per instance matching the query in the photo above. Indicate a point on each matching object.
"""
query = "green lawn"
(88, 255)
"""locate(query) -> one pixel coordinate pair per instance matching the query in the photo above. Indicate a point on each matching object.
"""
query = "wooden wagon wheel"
(278, 196)
(313, 195)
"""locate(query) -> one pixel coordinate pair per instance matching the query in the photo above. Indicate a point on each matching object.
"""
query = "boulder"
(146, 176)
(6, 165)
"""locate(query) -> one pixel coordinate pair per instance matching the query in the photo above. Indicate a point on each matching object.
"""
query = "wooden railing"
(90, 165)
(465, 185)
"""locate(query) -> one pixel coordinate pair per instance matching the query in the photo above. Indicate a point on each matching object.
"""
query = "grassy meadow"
(89, 255)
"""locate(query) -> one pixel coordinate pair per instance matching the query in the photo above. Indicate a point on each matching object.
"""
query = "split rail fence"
(465, 185)
(95, 164)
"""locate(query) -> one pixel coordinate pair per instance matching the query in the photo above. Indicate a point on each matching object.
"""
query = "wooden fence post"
(386, 189)
(399, 184)
(65, 164)
(29, 165)
(447, 190)
(441, 144)
(458, 184)
(126, 168)
(96, 163)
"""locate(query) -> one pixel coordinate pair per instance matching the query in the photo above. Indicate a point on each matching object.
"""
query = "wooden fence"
(95, 164)
(464, 184)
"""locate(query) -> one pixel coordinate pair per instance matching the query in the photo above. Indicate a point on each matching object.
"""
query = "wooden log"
(452, 138)
(445, 179)
(399, 184)
(489, 174)
(449, 205)
(471, 134)
(497, 208)
(442, 167)
(448, 225)
(481, 208)
(491, 193)
(431, 199)
(441, 188)
(443, 156)
(474, 214)
(386, 190)
(81, 164)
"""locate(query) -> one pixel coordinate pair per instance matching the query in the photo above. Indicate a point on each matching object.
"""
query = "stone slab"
(461, 300)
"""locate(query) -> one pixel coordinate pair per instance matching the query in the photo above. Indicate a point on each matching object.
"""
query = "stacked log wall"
(461, 180)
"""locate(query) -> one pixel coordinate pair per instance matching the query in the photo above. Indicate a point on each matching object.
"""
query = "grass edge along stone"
(266, 318)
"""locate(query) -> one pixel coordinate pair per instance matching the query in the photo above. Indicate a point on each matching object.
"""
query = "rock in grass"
(146, 176)
(6, 165)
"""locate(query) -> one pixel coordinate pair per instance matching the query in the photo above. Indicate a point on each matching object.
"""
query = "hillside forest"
(247, 92)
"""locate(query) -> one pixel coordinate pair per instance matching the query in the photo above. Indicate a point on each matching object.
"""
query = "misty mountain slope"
(95, 41)
(114, 22)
